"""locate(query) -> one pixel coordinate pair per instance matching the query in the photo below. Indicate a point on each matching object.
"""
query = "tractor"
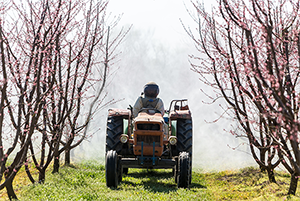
(150, 141)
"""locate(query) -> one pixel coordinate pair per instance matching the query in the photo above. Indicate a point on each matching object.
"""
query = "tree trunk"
(293, 185)
(262, 159)
(262, 168)
(29, 174)
(271, 176)
(42, 176)
(67, 156)
(10, 191)
(56, 164)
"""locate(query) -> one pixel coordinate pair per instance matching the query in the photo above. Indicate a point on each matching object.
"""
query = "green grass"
(86, 181)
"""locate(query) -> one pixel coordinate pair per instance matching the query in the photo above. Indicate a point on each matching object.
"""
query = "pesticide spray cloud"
(156, 49)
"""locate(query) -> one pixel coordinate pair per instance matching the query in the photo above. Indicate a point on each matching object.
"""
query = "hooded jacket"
(146, 102)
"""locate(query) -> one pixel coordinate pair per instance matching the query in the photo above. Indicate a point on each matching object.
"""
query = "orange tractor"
(150, 141)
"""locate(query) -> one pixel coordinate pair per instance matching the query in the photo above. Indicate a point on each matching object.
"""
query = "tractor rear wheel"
(185, 139)
(113, 133)
(111, 169)
(185, 135)
(183, 174)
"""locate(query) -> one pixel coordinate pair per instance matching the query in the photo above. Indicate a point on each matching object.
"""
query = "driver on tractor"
(149, 99)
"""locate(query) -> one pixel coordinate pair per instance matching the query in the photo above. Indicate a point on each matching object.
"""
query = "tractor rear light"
(124, 138)
(172, 140)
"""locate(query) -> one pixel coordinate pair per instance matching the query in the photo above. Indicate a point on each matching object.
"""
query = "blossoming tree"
(251, 56)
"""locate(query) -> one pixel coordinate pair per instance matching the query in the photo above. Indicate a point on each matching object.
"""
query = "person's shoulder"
(159, 100)
(140, 98)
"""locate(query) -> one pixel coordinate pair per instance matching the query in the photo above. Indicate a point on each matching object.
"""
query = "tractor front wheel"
(111, 169)
(183, 174)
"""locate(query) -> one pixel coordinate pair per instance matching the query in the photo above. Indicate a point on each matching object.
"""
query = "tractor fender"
(119, 112)
(180, 114)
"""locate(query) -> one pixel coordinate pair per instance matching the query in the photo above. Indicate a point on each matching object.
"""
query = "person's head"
(151, 90)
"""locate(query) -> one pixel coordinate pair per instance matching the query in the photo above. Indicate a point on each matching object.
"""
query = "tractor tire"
(111, 169)
(185, 139)
(113, 133)
(184, 135)
(183, 174)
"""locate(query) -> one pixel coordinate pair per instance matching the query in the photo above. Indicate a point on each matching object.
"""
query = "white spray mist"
(157, 49)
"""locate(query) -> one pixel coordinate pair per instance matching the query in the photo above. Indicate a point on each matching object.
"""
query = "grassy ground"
(86, 181)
